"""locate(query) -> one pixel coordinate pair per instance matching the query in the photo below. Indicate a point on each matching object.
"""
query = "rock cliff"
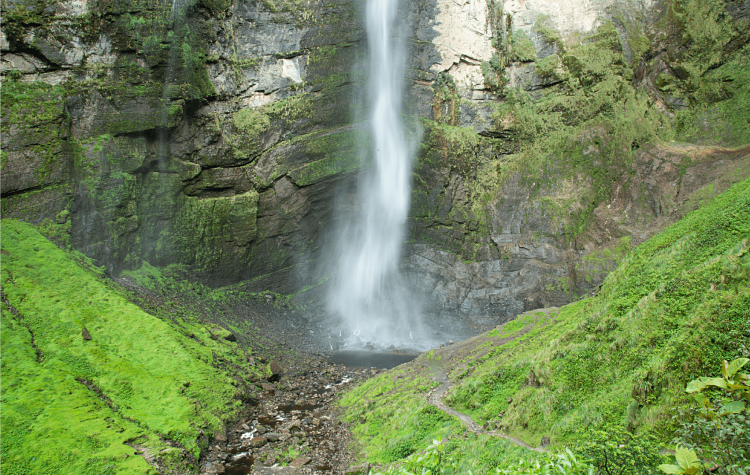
(221, 135)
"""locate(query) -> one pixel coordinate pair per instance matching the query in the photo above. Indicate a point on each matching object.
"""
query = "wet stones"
(290, 424)
(258, 442)
(272, 436)
(300, 461)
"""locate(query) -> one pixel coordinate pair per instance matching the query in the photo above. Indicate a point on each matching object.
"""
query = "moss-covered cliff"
(215, 134)
(576, 138)
(191, 132)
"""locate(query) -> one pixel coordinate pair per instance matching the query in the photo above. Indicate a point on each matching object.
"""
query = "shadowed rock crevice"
(19, 317)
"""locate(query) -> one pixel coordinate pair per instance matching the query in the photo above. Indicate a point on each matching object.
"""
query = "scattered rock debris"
(293, 428)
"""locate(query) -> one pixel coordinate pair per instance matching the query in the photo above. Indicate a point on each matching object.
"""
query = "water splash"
(369, 293)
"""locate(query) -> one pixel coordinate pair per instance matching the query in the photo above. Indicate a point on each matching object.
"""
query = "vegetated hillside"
(677, 306)
(128, 389)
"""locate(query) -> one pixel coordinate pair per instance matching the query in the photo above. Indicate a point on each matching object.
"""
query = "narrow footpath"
(435, 398)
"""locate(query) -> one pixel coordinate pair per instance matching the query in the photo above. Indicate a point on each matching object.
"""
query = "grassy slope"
(676, 307)
(77, 406)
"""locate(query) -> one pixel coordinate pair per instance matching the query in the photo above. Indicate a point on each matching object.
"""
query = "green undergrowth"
(676, 307)
(391, 416)
(139, 385)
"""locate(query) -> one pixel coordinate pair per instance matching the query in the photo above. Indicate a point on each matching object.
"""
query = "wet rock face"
(220, 150)
(524, 262)
(228, 148)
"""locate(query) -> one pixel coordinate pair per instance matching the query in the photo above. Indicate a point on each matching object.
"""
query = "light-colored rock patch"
(464, 30)
(72, 8)
(290, 70)
(464, 40)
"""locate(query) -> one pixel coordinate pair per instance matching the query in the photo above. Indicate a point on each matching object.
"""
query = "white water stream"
(369, 293)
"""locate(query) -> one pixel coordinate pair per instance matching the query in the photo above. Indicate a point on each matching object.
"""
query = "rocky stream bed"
(292, 427)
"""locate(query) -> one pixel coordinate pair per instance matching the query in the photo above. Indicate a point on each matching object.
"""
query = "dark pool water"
(372, 359)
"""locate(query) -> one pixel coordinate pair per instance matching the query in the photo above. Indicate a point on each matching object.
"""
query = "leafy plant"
(717, 429)
(564, 463)
(687, 462)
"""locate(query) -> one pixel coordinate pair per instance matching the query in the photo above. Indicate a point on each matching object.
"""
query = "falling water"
(369, 293)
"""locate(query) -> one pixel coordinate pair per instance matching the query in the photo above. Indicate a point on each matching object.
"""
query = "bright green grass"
(159, 381)
(392, 417)
(676, 307)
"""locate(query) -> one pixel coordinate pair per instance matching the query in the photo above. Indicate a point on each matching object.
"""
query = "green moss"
(249, 124)
(711, 71)
(544, 27)
(549, 67)
(522, 47)
(460, 146)
(585, 130)
(217, 8)
(341, 154)
(138, 382)
(206, 230)
(57, 231)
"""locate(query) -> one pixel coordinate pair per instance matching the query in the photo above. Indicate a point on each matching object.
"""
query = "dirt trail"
(451, 359)
(435, 398)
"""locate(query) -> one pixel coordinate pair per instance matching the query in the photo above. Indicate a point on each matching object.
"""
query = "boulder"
(358, 469)
(275, 372)
(258, 442)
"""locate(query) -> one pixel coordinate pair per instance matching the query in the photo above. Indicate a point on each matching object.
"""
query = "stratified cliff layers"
(221, 136)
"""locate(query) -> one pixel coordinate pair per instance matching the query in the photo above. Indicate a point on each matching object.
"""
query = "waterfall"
(369, 294)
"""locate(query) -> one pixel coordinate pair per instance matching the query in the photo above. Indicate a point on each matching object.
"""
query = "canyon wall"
(221, 136)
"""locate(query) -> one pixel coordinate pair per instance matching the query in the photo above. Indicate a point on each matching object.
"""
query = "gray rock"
(275, 371)
(258, 442)
(363, 469)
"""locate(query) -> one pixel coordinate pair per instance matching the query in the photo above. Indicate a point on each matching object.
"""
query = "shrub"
(615, 451)
(564, 463)
(717, 430)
